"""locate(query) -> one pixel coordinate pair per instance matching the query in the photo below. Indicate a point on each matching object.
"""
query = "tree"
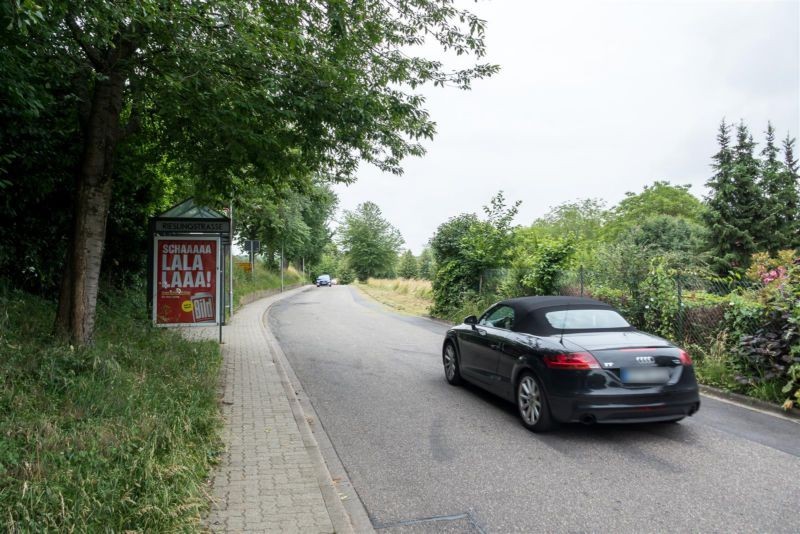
(582, 222)
(370, 242)
(666, 234)
(426, 265)
(487, 244)
(660, 198)
(778, 181)
(294, 220)
(732, 202)
(465, 247)
(408, 265)
(274, 90)
(790, 196)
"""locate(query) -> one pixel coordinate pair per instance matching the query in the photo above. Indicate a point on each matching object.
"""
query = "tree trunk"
(78, 298)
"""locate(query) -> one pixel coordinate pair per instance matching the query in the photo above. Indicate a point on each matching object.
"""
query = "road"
(428, 457)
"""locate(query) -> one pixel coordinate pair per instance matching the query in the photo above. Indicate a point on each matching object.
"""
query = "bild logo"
(645, 359)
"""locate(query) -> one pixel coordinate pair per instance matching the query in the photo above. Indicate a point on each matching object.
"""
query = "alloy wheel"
(529, 399)
(450, 362)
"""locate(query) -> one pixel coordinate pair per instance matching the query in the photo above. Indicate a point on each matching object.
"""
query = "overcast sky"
(594, 98)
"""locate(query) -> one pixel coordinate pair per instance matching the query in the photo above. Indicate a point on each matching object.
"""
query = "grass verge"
(405, 295)
(260, 279)
(116, 437)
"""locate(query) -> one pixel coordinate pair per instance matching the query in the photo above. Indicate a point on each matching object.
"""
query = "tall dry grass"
(405, 295)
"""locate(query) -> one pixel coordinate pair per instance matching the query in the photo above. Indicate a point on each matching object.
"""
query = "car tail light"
(685, 358)
(571, 360)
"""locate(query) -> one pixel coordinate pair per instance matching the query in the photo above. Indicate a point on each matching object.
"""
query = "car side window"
(500, 317)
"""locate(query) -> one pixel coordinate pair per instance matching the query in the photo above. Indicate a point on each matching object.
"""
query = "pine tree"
(790, 195)
(772, 227)
(408, 265)
(732, 201)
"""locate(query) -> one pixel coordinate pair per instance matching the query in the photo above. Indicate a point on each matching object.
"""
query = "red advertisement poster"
(186, 281)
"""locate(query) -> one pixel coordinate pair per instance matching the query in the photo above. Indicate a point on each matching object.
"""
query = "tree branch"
(91, 52)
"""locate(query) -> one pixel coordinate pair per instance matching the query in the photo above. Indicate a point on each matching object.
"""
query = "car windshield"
(585, 319)
(324, 278)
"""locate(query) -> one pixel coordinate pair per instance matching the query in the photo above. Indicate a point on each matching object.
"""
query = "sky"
(594, 99)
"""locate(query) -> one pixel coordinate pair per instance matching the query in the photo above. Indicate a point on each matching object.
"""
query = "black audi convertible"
(570, 359)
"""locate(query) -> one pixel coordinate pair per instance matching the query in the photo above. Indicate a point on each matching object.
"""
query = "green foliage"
(120, 436)
(148, 98)
(426, 265)
(487, 243)
(659, 199)
(735, 203)
(331, 262)
(464, 248)
(678, 237)
(660, 297)
(369, 241)
(451, 287)
(771, 353)
(714, 363)
(583, 222)
(408, 267)
(292, 220)
(537, 270)
(346, 276)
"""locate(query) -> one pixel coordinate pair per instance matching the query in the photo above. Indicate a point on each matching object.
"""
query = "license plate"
(653, 375)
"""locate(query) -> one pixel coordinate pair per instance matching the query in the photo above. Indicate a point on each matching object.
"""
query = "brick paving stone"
(265, 481)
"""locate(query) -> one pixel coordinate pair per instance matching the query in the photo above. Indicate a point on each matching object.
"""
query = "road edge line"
(345, 508)
(749, 403)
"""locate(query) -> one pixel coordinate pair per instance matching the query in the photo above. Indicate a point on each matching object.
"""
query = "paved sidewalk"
(267, 480)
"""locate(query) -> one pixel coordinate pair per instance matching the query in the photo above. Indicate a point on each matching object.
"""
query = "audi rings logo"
(645, 359)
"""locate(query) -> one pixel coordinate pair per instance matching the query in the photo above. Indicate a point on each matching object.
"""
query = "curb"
(749, 402)
(345, 509)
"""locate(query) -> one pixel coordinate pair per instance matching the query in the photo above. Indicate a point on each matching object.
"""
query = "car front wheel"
(532, 404)
(450, 360)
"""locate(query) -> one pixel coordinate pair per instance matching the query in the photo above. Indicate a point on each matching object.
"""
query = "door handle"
(482, 332)
(495, 346)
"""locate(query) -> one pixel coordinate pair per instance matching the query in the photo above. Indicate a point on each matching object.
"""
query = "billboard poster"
(186, 281)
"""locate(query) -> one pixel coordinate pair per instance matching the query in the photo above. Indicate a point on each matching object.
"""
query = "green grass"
(245, 283)
(119, 436)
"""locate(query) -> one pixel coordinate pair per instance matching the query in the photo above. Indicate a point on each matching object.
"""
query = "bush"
(538, 271)
(346, 276)
(771, 354)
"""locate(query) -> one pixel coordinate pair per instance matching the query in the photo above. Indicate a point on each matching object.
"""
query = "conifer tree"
(732, 201)
(790, 195)
(773, 221)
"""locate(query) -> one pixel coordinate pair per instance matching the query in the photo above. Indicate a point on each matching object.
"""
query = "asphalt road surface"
(425, 456)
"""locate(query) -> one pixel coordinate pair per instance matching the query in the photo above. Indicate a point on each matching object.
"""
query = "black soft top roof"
(529, 312)
(526, 304)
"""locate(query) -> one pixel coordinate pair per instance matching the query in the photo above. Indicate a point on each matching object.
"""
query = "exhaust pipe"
(588, 419)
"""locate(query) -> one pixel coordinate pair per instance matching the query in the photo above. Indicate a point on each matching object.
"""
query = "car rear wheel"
(532, 404)
(450, 360)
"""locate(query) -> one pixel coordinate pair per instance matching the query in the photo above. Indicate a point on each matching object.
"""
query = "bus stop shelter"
(187, 279)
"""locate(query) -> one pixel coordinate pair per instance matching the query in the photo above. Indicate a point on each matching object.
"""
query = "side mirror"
(471, 320)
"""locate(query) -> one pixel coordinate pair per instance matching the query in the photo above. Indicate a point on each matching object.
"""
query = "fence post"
(581, 280)
(679, 325)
